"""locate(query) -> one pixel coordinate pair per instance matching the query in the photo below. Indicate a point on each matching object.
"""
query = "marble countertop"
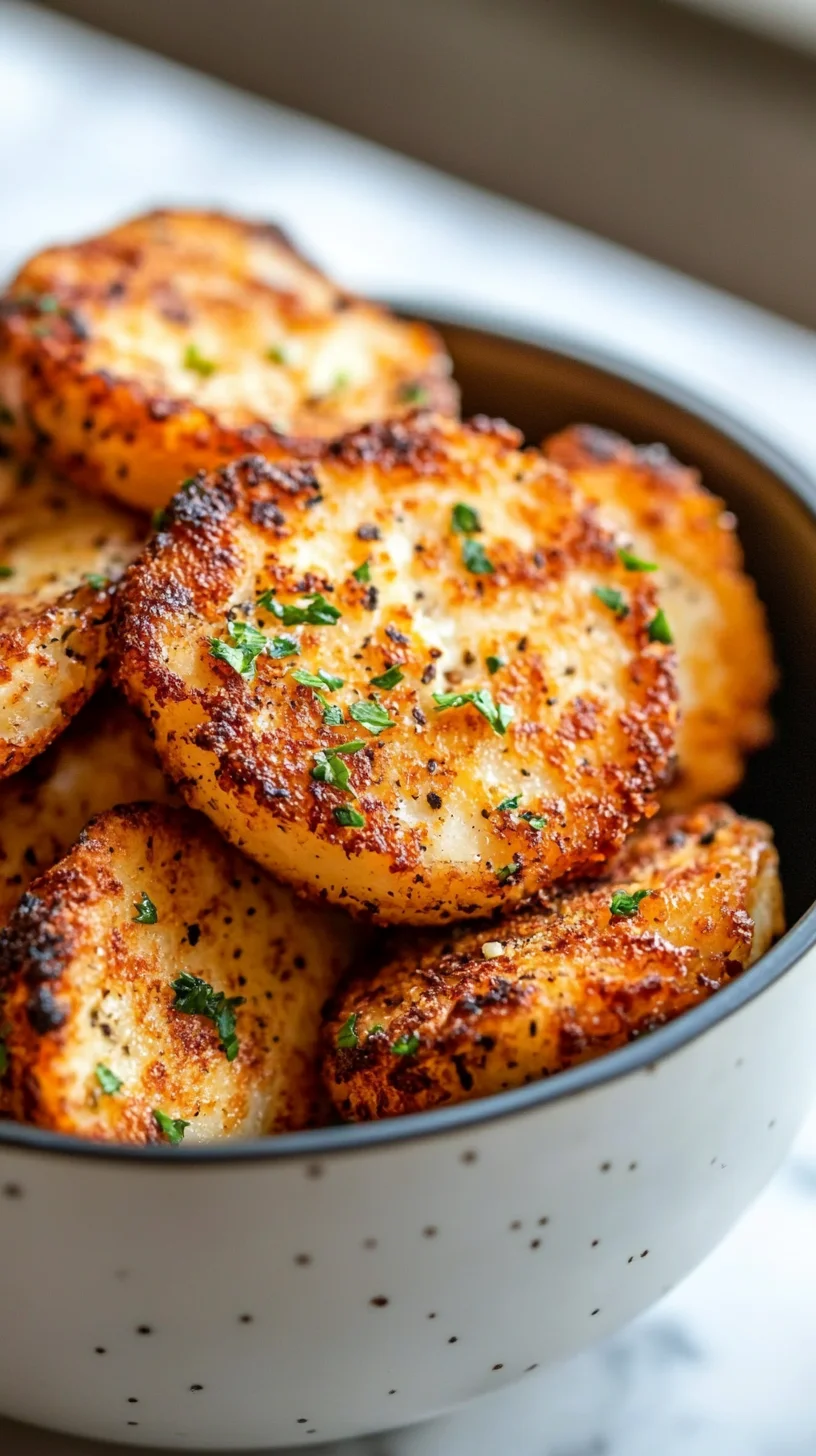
(94, 130)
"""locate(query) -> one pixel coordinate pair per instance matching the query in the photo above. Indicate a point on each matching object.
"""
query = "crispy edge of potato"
(479, 1002)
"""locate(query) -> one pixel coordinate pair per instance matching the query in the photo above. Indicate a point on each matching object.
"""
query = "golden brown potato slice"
(104, 758)
(688, 905)
(413, 677)
(725, 661)
(182, 339)
(120, 967)
(60, 553)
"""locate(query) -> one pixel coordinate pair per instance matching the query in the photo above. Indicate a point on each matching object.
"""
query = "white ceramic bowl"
(332, 1283)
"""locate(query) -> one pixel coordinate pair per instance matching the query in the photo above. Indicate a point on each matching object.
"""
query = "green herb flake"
(277, 354)
(613, 599)
(159, 518)
(511, 803)
(498, 715)
(173, 1128)
(198, 998)
(282, 647)
(246, 647)
(625, 904)
(363, 572)
(388, 679)
(372, 716)
(48, 303)
(376, 1030)
(506, 872)
(316, 611)
(108, 1080)
(96, 581)
(330, 769)
(414, 393)
(6, 572)
(195, 360)
(146, 912)
(464, 520)
(535, 821)
(350, 818)
(406, 1045)
(659, 629)
(324, 681)
(474, 559)
(347, 1038)
(494, 663)
(635, 563)
(342, 380)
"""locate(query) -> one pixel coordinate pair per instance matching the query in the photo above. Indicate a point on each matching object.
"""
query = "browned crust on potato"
(726, 672)
(563, 984)
(243, 751)
(93, 338)
(85, 983)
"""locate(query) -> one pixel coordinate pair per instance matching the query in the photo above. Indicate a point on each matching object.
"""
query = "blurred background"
(685, 129)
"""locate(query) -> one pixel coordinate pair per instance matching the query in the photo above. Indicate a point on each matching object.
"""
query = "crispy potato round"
(182, 339)
(492, 714)
(104, 758)
(119, 967)
(60, 553)
(516, 1000)
(725, 667)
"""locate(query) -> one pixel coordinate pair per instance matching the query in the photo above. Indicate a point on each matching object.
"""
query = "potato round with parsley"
(61, 552)
(688, 905)
(672, 525)
(182, 339)
(157, 987)
(411, 677)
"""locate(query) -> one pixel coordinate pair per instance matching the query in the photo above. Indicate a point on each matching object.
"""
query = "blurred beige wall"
(657, 127)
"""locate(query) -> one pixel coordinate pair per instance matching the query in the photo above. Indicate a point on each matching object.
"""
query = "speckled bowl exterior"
(332, 1283)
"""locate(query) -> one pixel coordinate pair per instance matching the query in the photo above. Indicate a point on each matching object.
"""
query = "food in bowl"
(413, 670)
(180, 340)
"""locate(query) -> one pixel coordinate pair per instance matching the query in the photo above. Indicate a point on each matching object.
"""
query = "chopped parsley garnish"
(324, 681)
(511, 803)
(158, 518)
(613, 599)
(173, 1128)
(96, 581)
(146, 912)
(246, 646)
(282, 647)
(330, 769)
(635, 563)
(363, 572)
(535, 821)
(494, 663)
(342, 380)
(464, 520)
(317, 612)
(48, 303)
(406, 1045)
(197, 998)
(413, 393)
(506, 872)
(372, 716)
(350, 818)
(474, 559)
(347, 1037)
(388, 679)
(6, 572)
(195, 360)
(276, 354)
(659, 629)
(108, 1080)
(377, 1030)
(498, 715)
(622, 903)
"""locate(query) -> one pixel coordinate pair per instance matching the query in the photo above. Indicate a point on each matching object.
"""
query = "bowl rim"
(462, 1117)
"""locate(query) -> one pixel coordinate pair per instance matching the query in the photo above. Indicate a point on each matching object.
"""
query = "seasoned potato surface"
(412, 676)
(725, 662)
(182, 339)
(104, 758)
(60, 553)
(120, 966)
(688, 905)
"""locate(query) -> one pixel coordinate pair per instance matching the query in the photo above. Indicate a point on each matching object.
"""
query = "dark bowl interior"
(541, 389)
